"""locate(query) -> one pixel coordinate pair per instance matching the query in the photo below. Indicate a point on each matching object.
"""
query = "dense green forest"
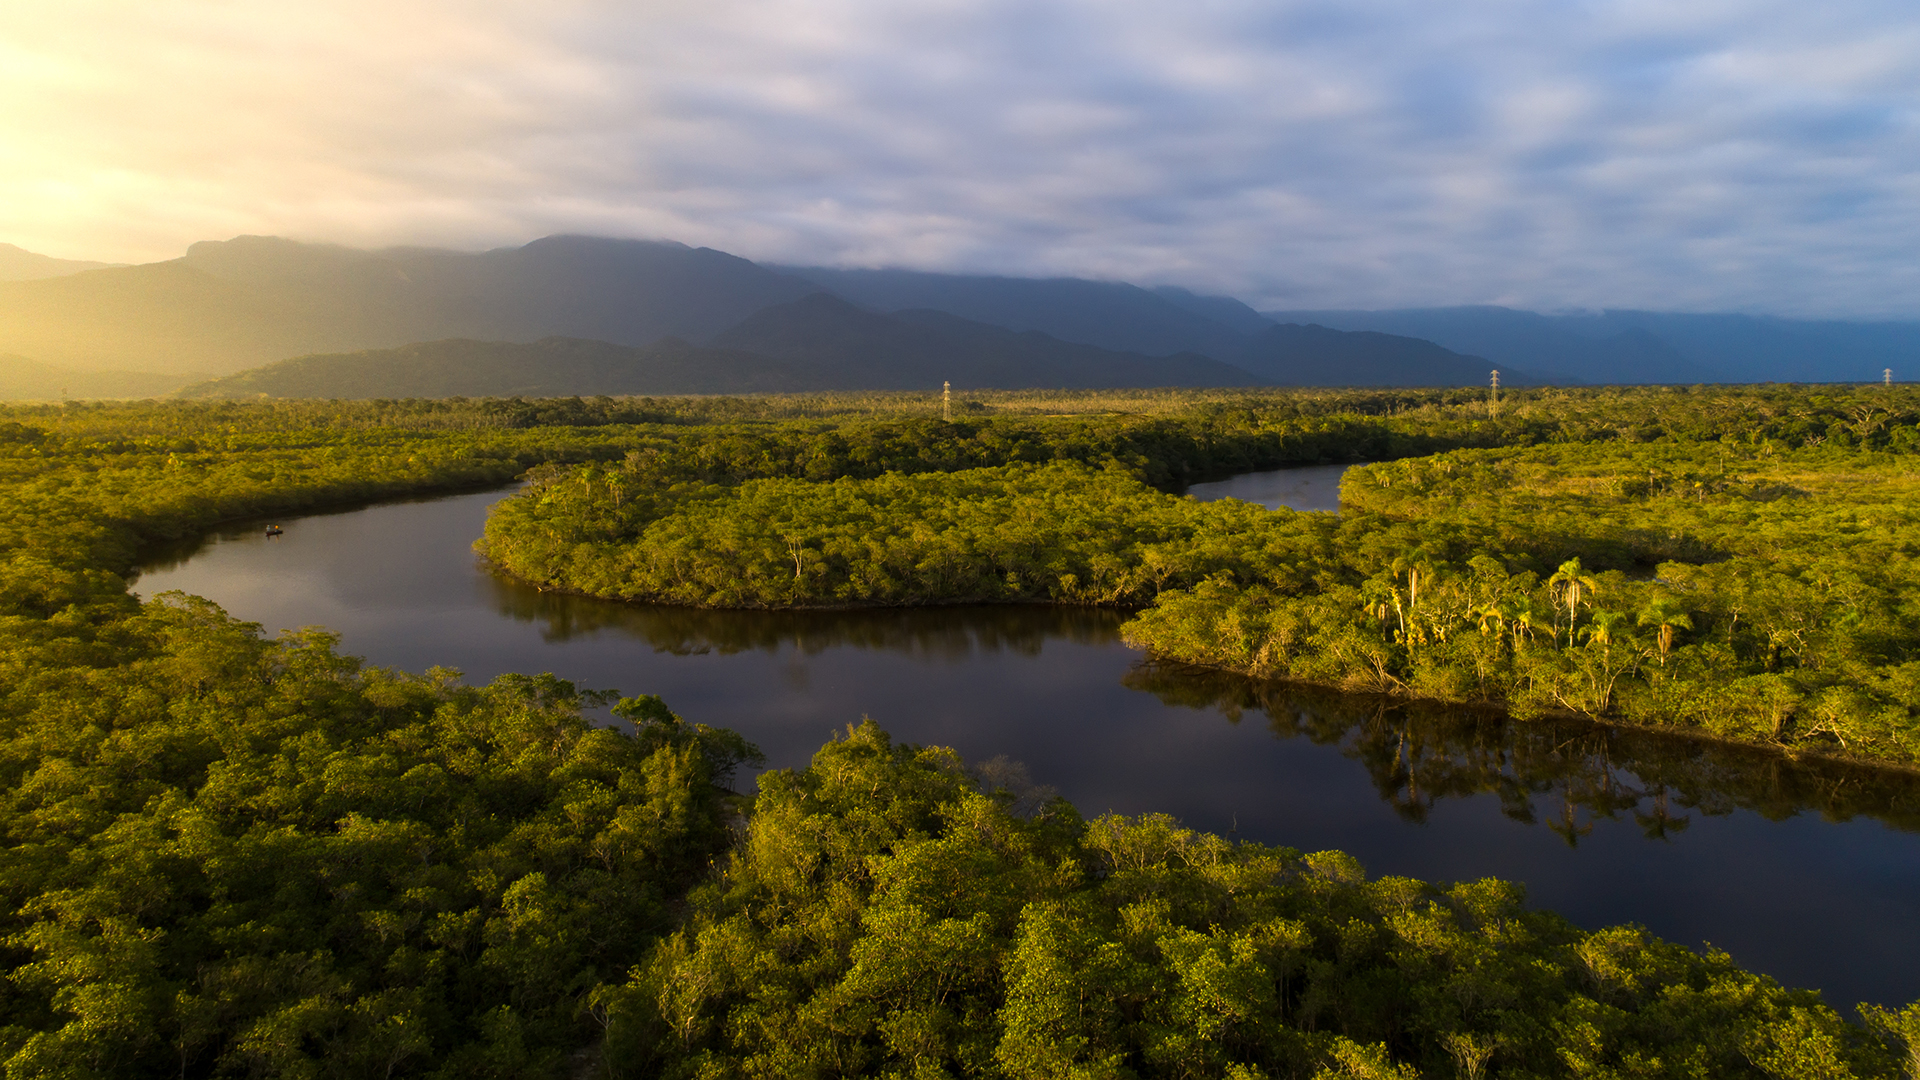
(887, 914)
(1738, 564)
(1748, 592)
(227, 855)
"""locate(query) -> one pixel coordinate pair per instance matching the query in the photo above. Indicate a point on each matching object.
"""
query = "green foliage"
(1561, 579)
(228, 855)
(888, 914)
(1061, 532)
(231, 856)
(1734, 564)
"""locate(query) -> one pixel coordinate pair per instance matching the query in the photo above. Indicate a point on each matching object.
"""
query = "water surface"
(1312, 487)
(1810, 874)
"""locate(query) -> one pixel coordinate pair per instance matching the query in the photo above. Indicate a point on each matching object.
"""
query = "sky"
(1754, 156)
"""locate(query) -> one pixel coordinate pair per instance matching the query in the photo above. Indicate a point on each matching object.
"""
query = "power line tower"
(1493, 395)
(946, 402)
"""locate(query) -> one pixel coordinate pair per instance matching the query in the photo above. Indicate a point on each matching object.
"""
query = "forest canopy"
(227, 855)
(1732, 563)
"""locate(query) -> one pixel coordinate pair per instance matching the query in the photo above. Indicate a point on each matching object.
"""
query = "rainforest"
(1740, 566)
(234, 855)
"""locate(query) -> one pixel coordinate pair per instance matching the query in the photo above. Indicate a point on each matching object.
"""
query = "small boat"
(274, 530)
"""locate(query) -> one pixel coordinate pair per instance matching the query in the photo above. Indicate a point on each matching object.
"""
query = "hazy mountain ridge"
(818, 343)
(1653, 347)
(22, 379)
(1165, 320)
(858, 349)
(338, 322)
(1225, 310)
(236, 304)
(1763, 348)
(19, 264)
(1554, 347)
(1111, 315)
(551, 367)
(1290, 354)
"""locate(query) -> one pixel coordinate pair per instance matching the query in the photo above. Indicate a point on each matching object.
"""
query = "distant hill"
(231, 306)
(1555, 347)
(846, 347)
(1160, 321)
(1752, 348)
(19, 264)
(1653, 347)
(1224, 310)
(1293, 355)
(240, 303)
(819, 342)
(22, 379)
(1111, 315)
(551, 367)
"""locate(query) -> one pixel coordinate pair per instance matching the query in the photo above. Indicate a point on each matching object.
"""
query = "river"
(1808, 873)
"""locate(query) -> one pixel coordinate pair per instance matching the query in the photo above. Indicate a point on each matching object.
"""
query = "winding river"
(1809, 873)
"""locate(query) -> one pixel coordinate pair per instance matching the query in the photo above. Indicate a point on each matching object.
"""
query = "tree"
(1899, 1029)
(1569, 585)
(1666, 614)
(1525, 620)
(1603, 627)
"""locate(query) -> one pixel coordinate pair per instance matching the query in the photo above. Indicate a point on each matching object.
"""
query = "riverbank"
(776, 681)
(1752, 592)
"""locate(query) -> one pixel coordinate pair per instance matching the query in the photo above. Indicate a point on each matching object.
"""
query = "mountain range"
(919, 347)
(1291, 354)
(236, 304)
(22, 379)
(570, 314)
(19, 264)
(1650, 346)
(550, 367)
(818, 342)
(1108, 314)
(586, 314)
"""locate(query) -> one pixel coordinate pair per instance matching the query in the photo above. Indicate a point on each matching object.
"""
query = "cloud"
(1752, 156)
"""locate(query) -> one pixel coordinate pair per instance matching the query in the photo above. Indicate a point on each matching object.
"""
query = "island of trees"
(1731, 563)
(227, 855)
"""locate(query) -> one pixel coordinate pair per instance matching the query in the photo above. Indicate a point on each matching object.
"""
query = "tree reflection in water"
(1564, 773)
(948, 633)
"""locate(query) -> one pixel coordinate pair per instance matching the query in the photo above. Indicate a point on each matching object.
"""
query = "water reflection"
(1563, 773)
(1751, 852)
(1309, 487)
(944, 633)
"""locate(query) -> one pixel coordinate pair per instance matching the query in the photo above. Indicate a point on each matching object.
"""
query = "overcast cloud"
(1755, 156)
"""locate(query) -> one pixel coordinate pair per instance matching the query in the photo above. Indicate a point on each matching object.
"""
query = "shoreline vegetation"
(227, 855)
(1734, 563)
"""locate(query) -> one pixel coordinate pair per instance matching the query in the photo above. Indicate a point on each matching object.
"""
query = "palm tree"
(1568, 584)
(1375, 598)
(1490, 617)
(1668, 615)
(1601, 626)
(1524, 620)
(1417, 565)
